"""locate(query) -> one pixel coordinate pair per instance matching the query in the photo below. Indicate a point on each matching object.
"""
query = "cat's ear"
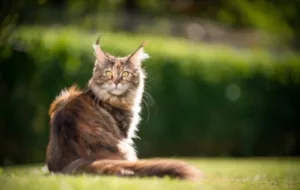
(139, 55)
(100, 55)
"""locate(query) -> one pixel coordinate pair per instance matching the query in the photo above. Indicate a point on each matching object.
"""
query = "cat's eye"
(125, 74)
(108, 74)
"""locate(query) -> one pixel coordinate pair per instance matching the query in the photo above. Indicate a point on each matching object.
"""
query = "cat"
(91, 130)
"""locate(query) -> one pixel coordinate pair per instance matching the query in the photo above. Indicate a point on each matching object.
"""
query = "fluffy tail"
(141, 168)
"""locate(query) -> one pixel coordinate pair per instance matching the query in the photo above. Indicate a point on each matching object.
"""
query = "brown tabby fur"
(92, 130)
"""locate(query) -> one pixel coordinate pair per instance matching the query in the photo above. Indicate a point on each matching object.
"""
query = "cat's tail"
(140, 168)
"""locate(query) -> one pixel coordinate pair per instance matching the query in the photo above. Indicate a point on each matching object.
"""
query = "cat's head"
(117, 76)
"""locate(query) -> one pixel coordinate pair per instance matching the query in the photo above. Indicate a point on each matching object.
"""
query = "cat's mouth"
(117, 91)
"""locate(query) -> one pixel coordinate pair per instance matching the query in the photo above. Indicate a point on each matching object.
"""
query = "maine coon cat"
(92, 130)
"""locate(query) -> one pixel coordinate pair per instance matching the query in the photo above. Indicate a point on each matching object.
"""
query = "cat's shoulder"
(64, 97)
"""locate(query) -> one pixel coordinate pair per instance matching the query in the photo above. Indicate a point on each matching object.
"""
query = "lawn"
(225, 173)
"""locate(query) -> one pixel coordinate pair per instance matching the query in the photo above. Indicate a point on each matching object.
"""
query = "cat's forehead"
(114, 62)
(114, 59)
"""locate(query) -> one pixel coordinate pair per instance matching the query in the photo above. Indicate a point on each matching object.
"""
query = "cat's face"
(117, 77)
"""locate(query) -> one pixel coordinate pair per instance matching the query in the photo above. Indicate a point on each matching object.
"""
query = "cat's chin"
(117, 92)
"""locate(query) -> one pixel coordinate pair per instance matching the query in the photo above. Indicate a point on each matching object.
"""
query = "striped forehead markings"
(117, 67)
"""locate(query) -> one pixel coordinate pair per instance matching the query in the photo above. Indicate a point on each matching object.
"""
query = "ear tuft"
(139, 55)
(98, 41)
(143, 55)
(144, 43)
(101, 56)
(97, 44)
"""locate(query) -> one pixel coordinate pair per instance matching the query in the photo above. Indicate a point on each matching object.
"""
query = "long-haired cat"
(92, 130)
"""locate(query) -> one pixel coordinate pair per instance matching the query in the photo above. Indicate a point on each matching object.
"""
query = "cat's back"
(79, 128)
(80, 110)
(65, 100)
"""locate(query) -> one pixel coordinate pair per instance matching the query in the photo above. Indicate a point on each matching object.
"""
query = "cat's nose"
(117, 81)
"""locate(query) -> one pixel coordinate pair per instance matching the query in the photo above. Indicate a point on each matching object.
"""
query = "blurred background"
(223, 78)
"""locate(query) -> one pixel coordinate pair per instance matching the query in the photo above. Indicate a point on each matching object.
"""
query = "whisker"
(149, 98)
(149, 80)
(148, 110)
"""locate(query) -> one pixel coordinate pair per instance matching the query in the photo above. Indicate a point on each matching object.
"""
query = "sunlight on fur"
(92, 130)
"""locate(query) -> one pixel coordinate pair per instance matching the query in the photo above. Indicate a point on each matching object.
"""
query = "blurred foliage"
(274, 16)
(208, 100)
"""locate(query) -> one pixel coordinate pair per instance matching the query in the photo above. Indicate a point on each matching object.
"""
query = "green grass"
(263, 173)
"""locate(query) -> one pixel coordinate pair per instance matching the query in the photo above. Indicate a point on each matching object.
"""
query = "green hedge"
(207, 100)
